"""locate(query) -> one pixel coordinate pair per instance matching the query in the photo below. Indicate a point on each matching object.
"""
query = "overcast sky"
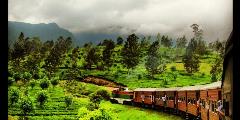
(148, 17)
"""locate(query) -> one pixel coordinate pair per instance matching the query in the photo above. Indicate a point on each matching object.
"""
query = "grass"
(138, 77)
(55, 108)
(125, 112)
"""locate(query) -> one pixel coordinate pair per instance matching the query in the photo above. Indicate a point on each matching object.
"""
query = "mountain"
(50, 31)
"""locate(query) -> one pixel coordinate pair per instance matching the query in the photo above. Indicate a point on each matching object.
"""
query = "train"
(213, 101)
(192, 102)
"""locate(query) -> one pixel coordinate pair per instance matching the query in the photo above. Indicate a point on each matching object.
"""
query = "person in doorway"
(164, 101)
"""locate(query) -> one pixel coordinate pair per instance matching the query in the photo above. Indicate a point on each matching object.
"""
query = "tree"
(42, 98)
(181, 42)
(131, 52)
(166, 41)
(191, 59)
(216, 69)
(191, 63)
(26, 106)
(54, 59)
(198, 36)
(119, 40)
(91, 58)
(19, 51)
(154, 63)
(75, 55)
(144, 45)
(107, 52)
(13, 96)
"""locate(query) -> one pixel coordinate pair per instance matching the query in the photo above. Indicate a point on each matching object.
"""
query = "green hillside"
(45, 78)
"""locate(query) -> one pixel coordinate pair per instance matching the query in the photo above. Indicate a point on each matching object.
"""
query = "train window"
(212, 107)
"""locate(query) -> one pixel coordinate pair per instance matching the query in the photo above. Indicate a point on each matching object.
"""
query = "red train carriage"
(209, 96)
(126, 94)
(171, 97)
(188, 103)
(158, 97)
(203, 104)
(182, 103)
(144, 95)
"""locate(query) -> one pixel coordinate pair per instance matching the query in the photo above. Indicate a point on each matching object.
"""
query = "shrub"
(92, 106)
(26, 106)
(10, 81)
(95, 98)
(139, 76)
(99, 95)
(27, 76)
(13, 96)
(54, 81)
(173, 68)
(104, 94)
(68, 100)
(32, 83)
(105, 112)
(44, 84)
(17, 76)
(42, 98)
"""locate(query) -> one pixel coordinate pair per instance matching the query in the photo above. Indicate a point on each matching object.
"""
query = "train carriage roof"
(145, 89)
(168, 89)
(191, 88)
(213, 85)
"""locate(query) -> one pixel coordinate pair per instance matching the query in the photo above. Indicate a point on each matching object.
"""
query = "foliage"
(144, 44)
(173, 68)
(26, 106)
(191, 63)
(42, 98)
(119, 40)
(131, 52)
(13, 95)
(44, 83)
(68, 100)
(154, 63)
(200, 47)
(17, 76)
(105, 112)
(54, 59)
(167, 42)
(10, 81)
(55, 81)
(32, 83)
(27, 76)
(104, 94)
(191, 59)
(216, 69)
(91, 58)
(181, 42)
(107, 52)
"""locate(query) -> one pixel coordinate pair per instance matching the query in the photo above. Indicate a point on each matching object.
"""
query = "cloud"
(172, 17)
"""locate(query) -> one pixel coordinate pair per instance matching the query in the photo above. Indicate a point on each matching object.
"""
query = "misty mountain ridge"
(52, 31)
(45, 32)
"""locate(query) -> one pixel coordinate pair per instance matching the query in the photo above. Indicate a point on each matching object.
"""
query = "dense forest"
(46, 76)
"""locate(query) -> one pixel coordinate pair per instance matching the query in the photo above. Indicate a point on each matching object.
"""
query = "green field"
(55, 108)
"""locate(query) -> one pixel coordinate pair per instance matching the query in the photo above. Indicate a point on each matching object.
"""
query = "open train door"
(231, 77)
(227, 80)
